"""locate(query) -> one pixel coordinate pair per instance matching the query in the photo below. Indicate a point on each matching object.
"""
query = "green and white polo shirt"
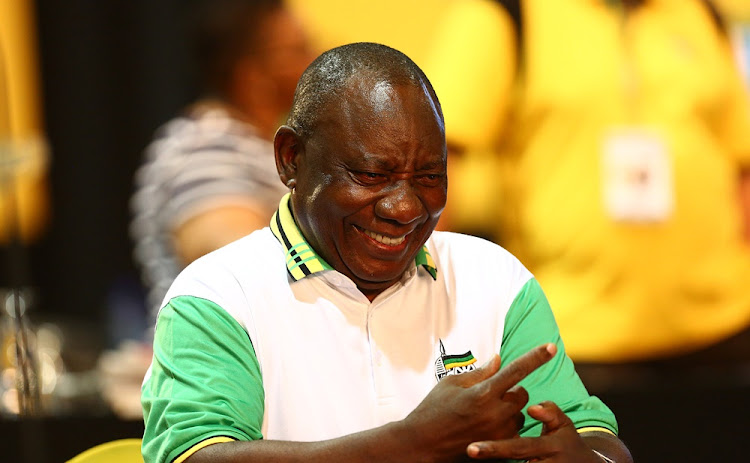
(262, 339)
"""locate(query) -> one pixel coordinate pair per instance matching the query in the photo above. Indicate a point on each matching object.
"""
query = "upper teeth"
(385, 239)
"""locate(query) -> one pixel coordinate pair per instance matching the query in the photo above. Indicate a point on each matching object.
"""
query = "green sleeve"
(528, 324)
(204, 381)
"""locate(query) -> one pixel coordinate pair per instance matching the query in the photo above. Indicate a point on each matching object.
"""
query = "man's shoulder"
(444, 241)
(477, 257)
(236, 276)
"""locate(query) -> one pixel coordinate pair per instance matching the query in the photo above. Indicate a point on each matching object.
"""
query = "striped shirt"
(196, 162)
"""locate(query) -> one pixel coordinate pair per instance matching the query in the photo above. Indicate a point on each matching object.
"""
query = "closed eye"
(369, 178)
(430, 179)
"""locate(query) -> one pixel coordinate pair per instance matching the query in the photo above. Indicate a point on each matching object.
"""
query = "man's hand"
(476, 415)
(559, 442)
(482, 404)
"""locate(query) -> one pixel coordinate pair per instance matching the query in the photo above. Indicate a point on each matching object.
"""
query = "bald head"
(331, 73)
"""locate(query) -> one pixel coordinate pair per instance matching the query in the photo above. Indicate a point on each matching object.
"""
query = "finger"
(515, 399)
(480, 374)
(519, 419)
(521, 367)
(550, 415)
(517, 394)
(517, 448)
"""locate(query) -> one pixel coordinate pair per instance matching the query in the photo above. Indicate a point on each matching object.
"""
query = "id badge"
(637, 177)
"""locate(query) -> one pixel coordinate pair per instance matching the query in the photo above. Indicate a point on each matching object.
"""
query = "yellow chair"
(117, 451)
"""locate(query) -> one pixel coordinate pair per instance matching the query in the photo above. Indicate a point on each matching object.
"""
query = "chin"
(379, 278)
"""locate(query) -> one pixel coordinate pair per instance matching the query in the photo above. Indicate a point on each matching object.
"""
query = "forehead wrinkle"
(379, 159)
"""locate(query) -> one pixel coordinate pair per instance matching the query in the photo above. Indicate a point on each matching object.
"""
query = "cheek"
(435, 201)
(314, 194)
(314, 190)
(352, 206)
(332, 202)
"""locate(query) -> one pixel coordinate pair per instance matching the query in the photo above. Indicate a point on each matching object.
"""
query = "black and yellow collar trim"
(302, 260)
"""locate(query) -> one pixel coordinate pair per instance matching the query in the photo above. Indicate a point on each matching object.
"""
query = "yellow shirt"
(621, 289)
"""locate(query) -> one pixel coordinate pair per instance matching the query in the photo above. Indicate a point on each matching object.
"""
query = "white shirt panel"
(384, 351)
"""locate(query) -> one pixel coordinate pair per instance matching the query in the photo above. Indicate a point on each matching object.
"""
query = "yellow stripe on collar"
(301, 258)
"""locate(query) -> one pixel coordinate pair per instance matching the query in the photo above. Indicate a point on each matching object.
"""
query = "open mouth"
(387, 240)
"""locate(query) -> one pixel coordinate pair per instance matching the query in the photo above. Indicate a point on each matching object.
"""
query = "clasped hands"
(478, 415)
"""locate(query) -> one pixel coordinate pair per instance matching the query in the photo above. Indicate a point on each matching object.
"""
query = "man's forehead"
(369, 100)
(370, 95)
(381, 95)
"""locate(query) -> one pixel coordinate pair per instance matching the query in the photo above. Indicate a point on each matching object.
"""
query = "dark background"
(112, 72)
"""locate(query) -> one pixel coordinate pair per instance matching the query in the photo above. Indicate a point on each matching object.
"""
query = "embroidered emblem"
(447, 365)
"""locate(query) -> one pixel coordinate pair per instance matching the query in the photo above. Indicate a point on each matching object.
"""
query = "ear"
(287, 146)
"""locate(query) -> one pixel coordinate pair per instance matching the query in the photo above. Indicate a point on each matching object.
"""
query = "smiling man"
(348, 330)
(368, 172)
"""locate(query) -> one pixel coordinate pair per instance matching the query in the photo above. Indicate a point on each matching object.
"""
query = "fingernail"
(551, 348)
(473, 450)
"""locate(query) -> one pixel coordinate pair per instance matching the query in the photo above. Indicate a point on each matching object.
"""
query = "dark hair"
(220, 33)
(331, 71)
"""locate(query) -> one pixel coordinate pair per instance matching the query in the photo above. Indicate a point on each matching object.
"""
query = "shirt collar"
(302, 260)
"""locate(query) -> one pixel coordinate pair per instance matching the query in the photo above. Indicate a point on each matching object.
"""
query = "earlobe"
(287, 147)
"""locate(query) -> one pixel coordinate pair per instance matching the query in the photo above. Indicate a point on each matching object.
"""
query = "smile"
(387, 240)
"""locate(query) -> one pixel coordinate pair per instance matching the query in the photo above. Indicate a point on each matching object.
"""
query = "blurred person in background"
(621, 168)
(209, 176)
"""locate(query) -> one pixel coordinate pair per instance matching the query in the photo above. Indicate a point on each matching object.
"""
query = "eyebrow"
(375, 158)
(432, 165)
(385, 164)
(382, 162)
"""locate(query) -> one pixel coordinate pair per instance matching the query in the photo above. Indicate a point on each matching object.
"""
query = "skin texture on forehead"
(373, 102)
(381, 96)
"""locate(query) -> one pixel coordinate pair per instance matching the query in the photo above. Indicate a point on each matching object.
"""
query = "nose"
(401, 204)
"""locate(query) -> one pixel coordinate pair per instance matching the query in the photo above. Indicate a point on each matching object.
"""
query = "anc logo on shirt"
(447, 365)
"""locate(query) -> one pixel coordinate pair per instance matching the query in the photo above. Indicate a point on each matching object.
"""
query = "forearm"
(479, 404)
(393, 442)
(608, 445)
